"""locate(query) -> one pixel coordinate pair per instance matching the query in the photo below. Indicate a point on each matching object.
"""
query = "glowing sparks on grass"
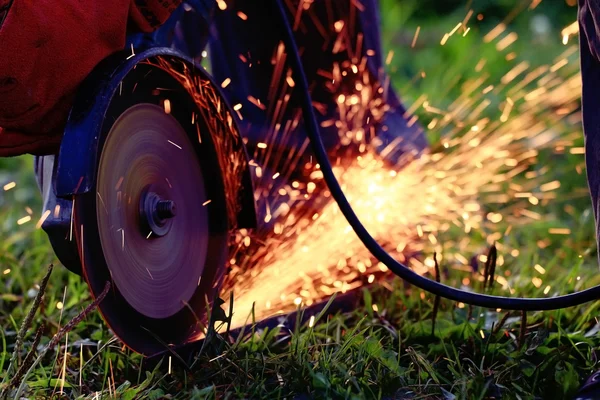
(465, 183)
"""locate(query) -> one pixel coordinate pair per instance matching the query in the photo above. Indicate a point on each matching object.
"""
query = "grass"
(390, 353)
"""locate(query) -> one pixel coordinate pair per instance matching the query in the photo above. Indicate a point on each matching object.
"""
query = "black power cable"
(371, 244)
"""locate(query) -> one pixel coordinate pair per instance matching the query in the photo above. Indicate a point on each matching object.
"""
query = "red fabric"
(47, 49)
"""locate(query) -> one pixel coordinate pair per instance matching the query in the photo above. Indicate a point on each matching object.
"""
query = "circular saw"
(151, 180)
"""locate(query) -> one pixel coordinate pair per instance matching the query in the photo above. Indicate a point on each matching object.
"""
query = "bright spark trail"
(311, 251)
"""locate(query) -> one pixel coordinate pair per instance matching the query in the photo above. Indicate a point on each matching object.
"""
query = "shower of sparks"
(465, 183)
(308, 251)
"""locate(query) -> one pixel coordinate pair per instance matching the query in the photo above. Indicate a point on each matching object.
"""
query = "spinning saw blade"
(148, 230)
(152, 216)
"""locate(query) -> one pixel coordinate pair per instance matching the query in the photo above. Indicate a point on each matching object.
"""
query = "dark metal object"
(57, 224)
(165, 209)
(155, 213)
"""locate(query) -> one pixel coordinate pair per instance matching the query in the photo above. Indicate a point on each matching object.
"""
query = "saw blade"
(147, 153)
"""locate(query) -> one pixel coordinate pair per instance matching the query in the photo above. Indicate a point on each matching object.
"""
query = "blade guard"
(77, 161)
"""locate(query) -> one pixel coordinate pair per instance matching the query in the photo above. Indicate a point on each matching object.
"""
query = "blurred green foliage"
(497, 10)
(437, 71)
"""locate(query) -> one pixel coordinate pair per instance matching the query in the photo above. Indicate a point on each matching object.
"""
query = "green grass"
(363, 354)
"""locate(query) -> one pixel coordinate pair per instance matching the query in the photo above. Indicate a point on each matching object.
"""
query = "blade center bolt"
(165, 209)
(156, 213)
